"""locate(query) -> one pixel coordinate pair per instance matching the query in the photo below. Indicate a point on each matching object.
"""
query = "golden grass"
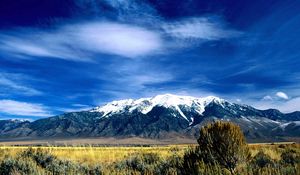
(99, 155)
(274, 150)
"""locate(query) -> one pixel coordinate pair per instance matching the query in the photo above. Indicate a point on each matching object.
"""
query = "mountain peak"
(171, 100)
(145, 105)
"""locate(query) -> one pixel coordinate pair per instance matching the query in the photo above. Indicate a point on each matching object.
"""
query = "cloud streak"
(282, 95)
(291, 105)
(200, 29)
(19, 108)
(81, 41)
(279, 100)
(12, 83)
(137, 85)
(119, 39)
(286, 106)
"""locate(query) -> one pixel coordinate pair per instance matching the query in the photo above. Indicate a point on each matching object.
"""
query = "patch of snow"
(19, 120)
(245, 119)
(259, 121)
(113, 107)
(284, 125)
(242, 109)
(181, 113)
(192, 121)
(145, 105)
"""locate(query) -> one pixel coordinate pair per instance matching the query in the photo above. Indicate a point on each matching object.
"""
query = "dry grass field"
(221, 149)
(95, 155)
(109, 154)
(98, 141)
(274, 150)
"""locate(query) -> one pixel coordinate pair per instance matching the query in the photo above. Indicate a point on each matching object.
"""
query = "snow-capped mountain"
(162, 116)
(145, 105)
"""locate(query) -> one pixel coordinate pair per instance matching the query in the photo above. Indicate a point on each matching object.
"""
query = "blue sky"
(66, 56)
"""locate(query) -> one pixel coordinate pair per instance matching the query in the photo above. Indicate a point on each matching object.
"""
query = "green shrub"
(96, 170)
(262, 160)
(150, 158)
(290, 156)
(12, 166)
(223, 143)
(55, 166)
(42, 158)
(143, 163)
(170, 166)
(7, 166)
(191, 161)
(58, 167)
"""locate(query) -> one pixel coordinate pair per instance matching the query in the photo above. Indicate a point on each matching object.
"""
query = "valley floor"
(119, 159)
(133, 141)
(109, 154)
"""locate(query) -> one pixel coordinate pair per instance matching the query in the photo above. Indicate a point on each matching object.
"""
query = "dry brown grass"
(99, 141)
(274, 150)
(97, 155)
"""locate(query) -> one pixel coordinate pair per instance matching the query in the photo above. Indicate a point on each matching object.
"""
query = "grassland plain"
(118, 159)
(221, 149)
(94, 155)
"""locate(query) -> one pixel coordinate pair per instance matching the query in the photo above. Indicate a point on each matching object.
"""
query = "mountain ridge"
(162, 116)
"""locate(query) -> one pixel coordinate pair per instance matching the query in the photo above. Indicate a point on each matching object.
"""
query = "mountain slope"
(162, 116)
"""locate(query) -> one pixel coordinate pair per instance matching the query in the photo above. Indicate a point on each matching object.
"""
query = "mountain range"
(159, 117)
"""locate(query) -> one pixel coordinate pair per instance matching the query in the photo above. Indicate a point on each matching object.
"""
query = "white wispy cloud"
(238, 100)
(279, 100)
(12, 83)
(129, 10)
(132, 10)
(136, 85)
(202, 28)
(286, 106)
(18, 108)
(291, 105)
(282, 95)
(119, 39)
(131, 80)
(75, 108)
(267, 97)
(143, 80)
(80, 41)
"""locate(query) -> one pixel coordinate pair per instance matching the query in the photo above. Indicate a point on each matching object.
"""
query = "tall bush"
(223, 143)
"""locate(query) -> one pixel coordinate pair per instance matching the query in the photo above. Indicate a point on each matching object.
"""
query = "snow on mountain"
(284, 125)
(19, 120)
(183, 117)
(145, 105)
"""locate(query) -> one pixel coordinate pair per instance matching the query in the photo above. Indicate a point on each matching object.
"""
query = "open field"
(95, 155)
(100, 141)
(133, 141)
(135, 160)
(110, 154)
